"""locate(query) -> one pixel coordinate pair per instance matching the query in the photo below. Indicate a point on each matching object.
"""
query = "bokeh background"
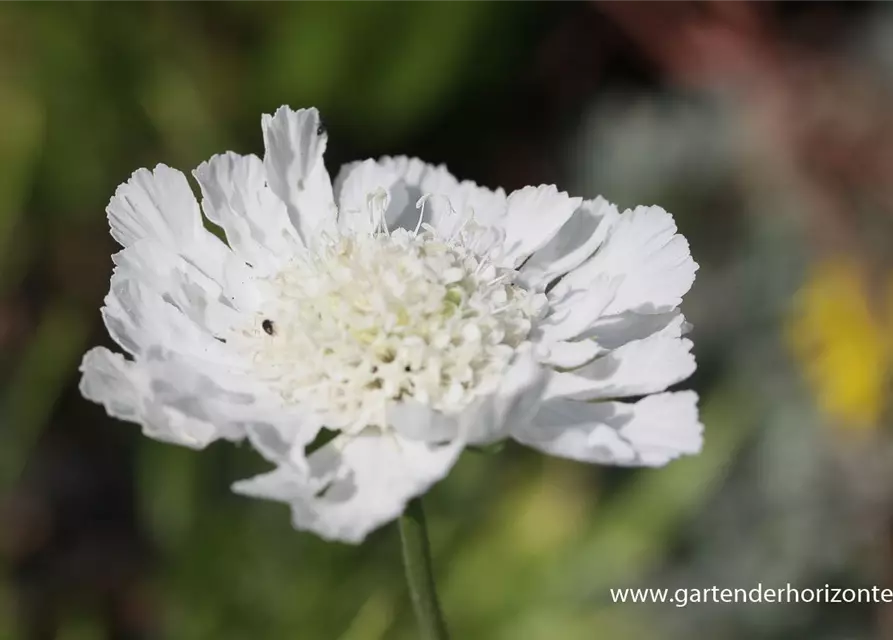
(767, 128)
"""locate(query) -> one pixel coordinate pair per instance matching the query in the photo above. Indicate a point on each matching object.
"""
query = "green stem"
(419, 575)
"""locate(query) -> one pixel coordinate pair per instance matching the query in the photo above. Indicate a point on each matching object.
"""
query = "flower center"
(366, 320)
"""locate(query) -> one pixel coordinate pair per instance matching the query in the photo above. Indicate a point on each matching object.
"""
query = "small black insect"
(268, 327)
(320, 128)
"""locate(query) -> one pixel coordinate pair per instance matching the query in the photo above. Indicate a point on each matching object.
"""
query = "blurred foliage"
(526, 547)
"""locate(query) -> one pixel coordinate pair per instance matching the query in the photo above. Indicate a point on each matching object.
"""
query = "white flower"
(408, 313)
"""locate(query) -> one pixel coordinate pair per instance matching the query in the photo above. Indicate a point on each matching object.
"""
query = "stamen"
(483, 264)
(377, 203)
(420, 205)
(469, 218)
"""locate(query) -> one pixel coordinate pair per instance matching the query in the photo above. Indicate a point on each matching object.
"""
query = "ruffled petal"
(355, 484)
(118, 384)
(617, 330)
(577, 240)
(576, 310)
(449, 203)
(173, 401)
(418, 178)
(637, 368)
(295, 142)
(654, 261)
(467, 199)
(417, 421)
(567, 354)
(650, 432)
(533, 217)
(160, 205)
(236, 197)
(178, 282)
(281, 434)
(138, 319)
(366, 191)
(513, 403)
(155, 204)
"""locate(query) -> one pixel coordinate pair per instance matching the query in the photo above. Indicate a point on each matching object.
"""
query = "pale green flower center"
(370, 319)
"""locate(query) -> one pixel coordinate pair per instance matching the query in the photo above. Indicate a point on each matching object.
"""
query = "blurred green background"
(766, 128)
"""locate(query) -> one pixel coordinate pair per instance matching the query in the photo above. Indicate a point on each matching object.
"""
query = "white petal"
(654, 261)
(178, 282)
(114, 382)
(566, 354)
(575, 310)
(358, 188)
(138, 319)
(237, 198)
(295, 143)
(410, 173)
(488, 207)
(533, 217)
(417, 421)
(465, 196)
(637, 368)
(514, 403)
(578, 239)
(160, 205)
(173, 402)
(281, 434)
(155, 204)
(356, 484)
(650, 432)
(450, 203)
(617, 330)
(609, 333)
(485, 421)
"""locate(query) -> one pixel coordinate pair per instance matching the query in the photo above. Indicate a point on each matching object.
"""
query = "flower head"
(399, 316)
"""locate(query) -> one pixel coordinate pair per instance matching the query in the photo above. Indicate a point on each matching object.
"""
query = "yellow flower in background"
(842, 335)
